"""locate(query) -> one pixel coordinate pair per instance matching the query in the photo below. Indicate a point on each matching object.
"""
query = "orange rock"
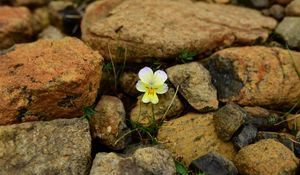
(48, 79)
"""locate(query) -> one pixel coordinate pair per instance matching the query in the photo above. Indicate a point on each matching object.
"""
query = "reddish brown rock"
(256, 76)
(15, 25)
(293, 9)
(164, 28)
(48, 79)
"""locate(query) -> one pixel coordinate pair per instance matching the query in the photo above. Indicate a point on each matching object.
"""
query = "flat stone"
(293, 8)
(256, 76)
(167, 27)
(261, 158)
(16, 26)
(193, 135)
(108, 123)
(48, 79)
(245, 136)
(213, 164)
(284, 138)
(60, 146)
(146, 114)
(289, 28)
(195, 85)
(228, 120)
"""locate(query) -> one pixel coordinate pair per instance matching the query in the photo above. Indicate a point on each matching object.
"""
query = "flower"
(152, 84)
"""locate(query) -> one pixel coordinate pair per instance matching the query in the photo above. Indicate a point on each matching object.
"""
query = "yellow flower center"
(151, 91)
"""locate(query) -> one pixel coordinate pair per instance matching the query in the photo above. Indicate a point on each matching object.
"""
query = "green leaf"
(180, 168)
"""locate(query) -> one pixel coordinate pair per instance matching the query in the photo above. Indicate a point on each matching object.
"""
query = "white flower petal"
(140, 86)
(146, 75)
(146, 98)
(162, 89)
(154, 99)
(159, 78)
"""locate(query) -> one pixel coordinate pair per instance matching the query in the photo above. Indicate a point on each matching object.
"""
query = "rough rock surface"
(266, 157)
(195, 85)
(48, 79)
(15, 25)
(228, 120)
(51, 32)
(40, 19)
(293, 9)
(143, 113)
(284, 138)
(60, 146)
(289, 29)
(108, 122)
(256, 76)
(149, 160)
(245, 136)
(193, 135)
(167, 27)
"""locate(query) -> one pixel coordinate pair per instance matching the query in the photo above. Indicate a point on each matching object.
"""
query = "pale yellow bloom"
(151, 84)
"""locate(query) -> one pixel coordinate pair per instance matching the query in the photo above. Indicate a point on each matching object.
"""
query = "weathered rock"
(29, 2)
(40, 19)
(16, 25)
(228, 120)
(283, 2)
(51, 32)
(167, 27)
(266, 157)
(48, 79)
(108, 122)
(147, 113)
(154, 160)
(284, 138)
(195, 85)
(277, 11)
(288, 28)
(128, 81)
(149, 160)
(213, 164)
(56, 12)
(193, 135)
(256, 76)
(245, 136)
(293, 9)
(263, 119)
(259, 3)
(56, 147)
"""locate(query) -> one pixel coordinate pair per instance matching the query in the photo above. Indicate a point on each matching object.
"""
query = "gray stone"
(260, 3)
(108, 123)
(167, 27)
(213, 164)
(228, 120)
(293, 8)
(60, 146)
(195, 85)
(245, 136)
(289, 29)
(51, 32)
(284, 138)
(277, 11)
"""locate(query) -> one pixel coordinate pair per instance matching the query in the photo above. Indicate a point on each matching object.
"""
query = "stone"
(259, 3)
(283, 2)
(245, 136)
(29, 2)
(288, 28)
(297, 144)
(41, 19)
(293, 8)
(128, 81)
(212, 164)
(147, 160)
(61, 146)
(263, 119)
(228, 120)
(146, 114)
(51, 32)
(108, 123)
(167, 27)
(277, 11)
(222, 1)
(284, 138)
(16, 26)
(195, 85)
(293, 122)
(48, 79)
(55, 11)
(266, 157)
(193, 135)
(256, 76)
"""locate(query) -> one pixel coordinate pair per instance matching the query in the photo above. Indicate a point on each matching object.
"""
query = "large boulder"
(256, 76)
(48, 79)
(164, 28)
(60, 146)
